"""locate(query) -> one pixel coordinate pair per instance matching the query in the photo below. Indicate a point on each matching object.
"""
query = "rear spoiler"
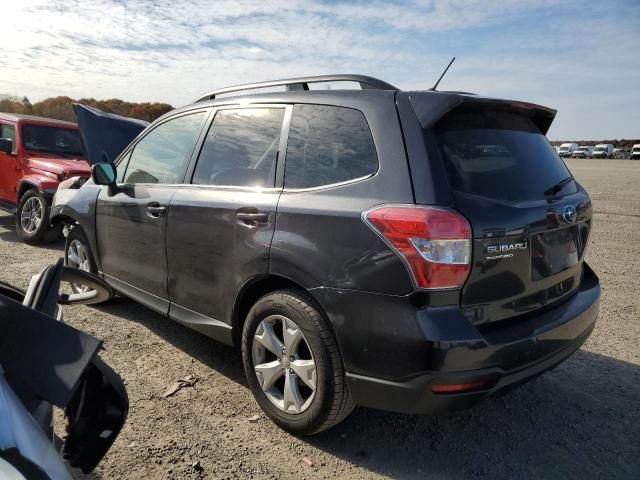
(105, 135)
(431, 106)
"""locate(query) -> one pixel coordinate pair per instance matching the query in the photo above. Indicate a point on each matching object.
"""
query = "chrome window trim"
(331, 185)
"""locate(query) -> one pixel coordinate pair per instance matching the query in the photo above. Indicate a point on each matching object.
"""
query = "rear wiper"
(557, 187)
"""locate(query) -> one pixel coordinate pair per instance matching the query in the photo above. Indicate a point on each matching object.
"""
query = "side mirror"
(104, 174)
(6, 146)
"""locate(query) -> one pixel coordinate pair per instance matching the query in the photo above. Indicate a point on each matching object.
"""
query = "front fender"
(78, 206)
(45, 183)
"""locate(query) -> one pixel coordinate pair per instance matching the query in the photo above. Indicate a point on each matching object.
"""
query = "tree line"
(61, 108)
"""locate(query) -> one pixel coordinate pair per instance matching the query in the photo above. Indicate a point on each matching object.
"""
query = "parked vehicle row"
(603, 150)
(409, 251)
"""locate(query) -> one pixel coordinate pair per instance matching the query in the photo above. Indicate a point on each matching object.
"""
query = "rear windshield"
(499, 155)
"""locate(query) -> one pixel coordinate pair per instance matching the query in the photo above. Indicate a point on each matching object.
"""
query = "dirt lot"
(581, 420)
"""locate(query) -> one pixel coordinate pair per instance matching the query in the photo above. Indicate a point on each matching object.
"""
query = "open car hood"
(105, 135)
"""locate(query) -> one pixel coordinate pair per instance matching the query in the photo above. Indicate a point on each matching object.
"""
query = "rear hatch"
(530, 219)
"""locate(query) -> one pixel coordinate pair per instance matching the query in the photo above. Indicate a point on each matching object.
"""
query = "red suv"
(36, 154)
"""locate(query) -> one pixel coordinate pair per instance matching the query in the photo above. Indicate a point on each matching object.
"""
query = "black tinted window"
(328, 145)
(52, 139)
(241, 148)
(499, 155)
(161, 156)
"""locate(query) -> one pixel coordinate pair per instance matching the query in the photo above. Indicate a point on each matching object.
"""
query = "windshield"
(581, 149)
(564, 149)
(499, 155)
(636, 149)
(58, 140)
(600, 149)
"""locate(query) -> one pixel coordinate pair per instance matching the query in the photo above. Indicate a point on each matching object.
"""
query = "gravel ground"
(581, 420)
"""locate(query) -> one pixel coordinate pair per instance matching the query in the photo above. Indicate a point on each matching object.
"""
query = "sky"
(581, 57)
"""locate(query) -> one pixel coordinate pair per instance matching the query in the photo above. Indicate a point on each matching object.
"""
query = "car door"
(220, 226)
(131, 221)
(9, 170)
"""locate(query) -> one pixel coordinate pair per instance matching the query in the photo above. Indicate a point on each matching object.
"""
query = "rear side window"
(241, 148)
(499, 155)
(328, 145)
(161, 156)
(9, 131)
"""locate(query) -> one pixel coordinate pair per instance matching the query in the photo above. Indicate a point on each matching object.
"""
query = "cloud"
(574, 55)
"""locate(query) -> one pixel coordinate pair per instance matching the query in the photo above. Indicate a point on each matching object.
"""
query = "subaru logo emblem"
(569, 215)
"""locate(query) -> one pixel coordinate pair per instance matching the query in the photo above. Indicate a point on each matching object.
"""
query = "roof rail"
(302, 83)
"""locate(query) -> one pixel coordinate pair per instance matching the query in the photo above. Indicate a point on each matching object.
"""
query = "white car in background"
(621, 153)
(635, 152)
(583, 151)
(567, 149)
(603, 150)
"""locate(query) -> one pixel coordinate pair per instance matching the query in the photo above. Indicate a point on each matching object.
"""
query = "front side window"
(122, 166)
(161, 156)
(9, 131)
(41, 138)
(241, 148)
(328, 145)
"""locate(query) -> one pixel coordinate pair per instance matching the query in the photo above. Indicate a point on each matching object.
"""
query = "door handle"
(154, 210)
(252, 218)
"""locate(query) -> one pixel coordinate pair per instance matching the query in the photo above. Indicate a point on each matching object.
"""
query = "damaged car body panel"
(61, 367)
(104, 136)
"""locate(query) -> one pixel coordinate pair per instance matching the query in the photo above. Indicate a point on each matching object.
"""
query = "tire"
(32, 219)
(78, 254)
(318, 409)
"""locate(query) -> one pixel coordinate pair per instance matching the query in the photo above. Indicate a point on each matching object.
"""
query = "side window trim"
(282, 152)
(331, 185)
(130, 149)
(282, 146)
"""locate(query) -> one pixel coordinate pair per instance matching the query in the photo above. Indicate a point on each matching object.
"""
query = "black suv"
(410, 251)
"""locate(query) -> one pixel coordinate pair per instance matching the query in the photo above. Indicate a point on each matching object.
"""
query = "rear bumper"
(394, 367)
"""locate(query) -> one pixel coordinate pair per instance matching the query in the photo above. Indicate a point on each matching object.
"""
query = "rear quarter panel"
(320, 238)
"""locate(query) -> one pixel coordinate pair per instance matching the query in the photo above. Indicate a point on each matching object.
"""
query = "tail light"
(435, 243)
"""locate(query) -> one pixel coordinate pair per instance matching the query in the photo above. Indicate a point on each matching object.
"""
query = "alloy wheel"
(31, 215)
(284, 365)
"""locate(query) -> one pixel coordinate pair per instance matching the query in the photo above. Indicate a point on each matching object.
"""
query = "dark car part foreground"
(412, 251)
(43, 363)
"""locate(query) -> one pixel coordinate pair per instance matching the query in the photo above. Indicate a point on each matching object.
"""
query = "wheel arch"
(23, 186)
(257, 287)
(67, 216)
